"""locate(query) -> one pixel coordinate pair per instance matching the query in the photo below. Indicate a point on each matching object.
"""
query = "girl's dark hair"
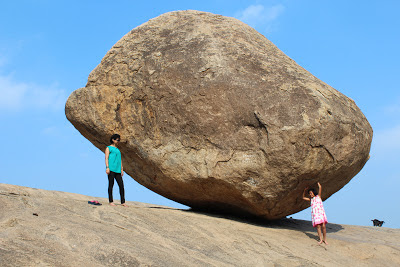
(114, 137)
(313, 190)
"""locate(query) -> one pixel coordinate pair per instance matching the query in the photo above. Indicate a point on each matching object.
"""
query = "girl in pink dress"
(317, 212)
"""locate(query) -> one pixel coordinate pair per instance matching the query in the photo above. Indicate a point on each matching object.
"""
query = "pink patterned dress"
(318, 215)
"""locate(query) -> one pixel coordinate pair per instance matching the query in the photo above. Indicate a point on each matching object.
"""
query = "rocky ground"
(50, 228)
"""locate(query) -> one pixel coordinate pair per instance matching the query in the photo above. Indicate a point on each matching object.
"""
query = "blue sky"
(48, 48)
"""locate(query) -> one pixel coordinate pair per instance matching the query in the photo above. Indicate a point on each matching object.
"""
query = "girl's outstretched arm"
(304, 194)
(320, 190)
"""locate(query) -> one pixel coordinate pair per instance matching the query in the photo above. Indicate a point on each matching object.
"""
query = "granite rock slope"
(215, 116)
(69, 232)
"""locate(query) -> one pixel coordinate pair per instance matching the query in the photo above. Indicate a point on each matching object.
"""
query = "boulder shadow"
(164, 208)
(284, 223)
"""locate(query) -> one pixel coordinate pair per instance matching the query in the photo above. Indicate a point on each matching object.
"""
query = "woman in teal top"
(114, 169)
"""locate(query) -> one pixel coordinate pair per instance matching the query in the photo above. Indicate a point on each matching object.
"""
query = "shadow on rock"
(285, 223)
(165, 208)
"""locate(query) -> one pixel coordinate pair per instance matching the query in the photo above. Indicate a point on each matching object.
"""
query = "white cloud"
(392, 109)
(252, 12)
(51, 131)
(3, 61)
(260, 16)
(17, 96)
(11, 93)
(386, 141)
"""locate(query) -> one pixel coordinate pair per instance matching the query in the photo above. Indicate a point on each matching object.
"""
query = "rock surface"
(214, 116)
(69, 232)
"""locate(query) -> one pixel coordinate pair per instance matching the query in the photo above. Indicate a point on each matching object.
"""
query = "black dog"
(377, 222)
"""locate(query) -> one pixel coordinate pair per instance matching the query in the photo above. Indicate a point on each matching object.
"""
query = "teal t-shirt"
(114, 159)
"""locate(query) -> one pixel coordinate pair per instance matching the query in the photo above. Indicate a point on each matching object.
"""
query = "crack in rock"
(262, 124)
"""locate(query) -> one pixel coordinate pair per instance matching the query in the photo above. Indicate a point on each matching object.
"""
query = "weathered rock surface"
(69, 232)
(213, 115)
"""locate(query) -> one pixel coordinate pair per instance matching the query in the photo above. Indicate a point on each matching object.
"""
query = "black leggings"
(118, 177)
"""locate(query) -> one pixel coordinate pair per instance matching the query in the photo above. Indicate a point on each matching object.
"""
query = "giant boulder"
(215, 116)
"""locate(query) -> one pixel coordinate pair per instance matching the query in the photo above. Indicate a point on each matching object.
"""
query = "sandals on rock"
(94, 202)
